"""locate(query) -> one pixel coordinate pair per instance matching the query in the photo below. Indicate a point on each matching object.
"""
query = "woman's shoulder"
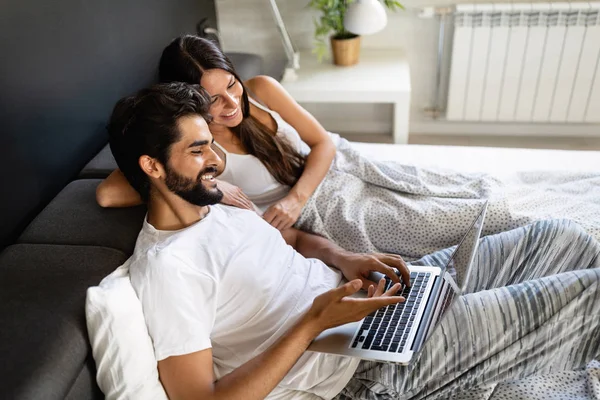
(263, 87)
(261, 82)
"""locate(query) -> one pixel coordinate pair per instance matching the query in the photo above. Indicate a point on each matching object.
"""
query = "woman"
(275, 153)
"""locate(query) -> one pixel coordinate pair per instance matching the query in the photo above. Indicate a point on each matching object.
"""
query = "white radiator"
(529, 62)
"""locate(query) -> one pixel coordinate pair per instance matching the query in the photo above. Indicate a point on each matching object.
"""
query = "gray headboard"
(63, 65)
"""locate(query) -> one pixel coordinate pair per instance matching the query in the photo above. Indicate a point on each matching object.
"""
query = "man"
(231, 308)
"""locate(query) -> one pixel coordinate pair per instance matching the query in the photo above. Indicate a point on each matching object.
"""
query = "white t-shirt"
(231, 283)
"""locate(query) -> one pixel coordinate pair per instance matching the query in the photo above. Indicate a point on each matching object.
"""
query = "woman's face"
(226, 93)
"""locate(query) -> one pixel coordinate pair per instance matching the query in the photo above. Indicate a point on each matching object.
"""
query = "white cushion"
(122, 348)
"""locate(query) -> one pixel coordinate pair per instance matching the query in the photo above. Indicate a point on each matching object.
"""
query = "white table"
(381, 76)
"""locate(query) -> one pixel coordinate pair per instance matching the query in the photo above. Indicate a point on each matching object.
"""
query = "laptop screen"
(460, 262)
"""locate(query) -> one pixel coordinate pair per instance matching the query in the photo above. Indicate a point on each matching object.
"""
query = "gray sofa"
(64, 65)
(71, 245)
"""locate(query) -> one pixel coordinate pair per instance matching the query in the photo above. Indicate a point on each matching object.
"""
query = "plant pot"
(345, 51)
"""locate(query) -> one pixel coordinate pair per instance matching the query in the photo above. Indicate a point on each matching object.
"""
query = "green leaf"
(393, 5)
(321, 50)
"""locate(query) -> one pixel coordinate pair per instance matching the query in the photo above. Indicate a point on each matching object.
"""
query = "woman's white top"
(249, 174)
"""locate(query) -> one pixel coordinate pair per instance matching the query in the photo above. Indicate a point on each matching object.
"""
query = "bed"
(568, 181)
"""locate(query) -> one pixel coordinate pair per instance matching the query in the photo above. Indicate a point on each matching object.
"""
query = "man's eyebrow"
(197, 143)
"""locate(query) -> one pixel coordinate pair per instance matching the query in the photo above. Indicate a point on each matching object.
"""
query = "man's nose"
(214, 157)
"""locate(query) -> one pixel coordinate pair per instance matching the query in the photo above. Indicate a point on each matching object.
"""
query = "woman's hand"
(284, 213)
(233, 196)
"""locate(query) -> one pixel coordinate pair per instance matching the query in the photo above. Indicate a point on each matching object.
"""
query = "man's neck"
(171, 213)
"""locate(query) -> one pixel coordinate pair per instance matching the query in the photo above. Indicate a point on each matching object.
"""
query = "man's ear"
(151, 166)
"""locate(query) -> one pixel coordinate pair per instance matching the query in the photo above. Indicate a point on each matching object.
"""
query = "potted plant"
(345, 45)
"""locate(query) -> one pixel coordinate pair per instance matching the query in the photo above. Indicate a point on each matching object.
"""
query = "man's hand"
(335, 308)
(359, 266)
(233, 196)
(283, 214)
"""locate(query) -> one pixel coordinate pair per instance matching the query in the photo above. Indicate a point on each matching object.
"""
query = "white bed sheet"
(496, 161)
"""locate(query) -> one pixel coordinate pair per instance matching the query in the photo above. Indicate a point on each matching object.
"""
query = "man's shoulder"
(216, 227)
(201, 245)
(158, 258)
(169, 266)
(156, 252)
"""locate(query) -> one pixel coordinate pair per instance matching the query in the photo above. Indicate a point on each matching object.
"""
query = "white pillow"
(121, 345)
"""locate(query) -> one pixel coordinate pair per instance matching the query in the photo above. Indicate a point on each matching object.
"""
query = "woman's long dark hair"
(185, 60)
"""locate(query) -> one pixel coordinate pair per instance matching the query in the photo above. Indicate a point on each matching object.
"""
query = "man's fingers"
(387, 300)
(380, 291)
(393, 256)
(367, 283)
(380, 287)
(371, 291)
(392, 290)
(398, 262)
(348, 289)
(387, 271)
(375, 303)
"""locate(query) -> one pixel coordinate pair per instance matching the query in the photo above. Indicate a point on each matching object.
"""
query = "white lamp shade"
(365, 17)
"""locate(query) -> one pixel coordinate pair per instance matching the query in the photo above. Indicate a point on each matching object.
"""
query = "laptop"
(396, 332)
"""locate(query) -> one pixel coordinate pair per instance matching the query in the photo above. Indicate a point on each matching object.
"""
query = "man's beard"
(193, 191)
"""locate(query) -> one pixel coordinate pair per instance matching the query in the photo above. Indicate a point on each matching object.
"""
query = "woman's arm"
(322, 150)
(115, 191)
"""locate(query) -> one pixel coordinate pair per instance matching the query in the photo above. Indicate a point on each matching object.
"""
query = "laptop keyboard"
(388, 328)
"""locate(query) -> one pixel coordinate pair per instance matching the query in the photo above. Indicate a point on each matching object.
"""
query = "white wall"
(247, 25)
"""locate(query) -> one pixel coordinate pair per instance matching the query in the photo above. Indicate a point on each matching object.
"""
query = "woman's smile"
(231, 115)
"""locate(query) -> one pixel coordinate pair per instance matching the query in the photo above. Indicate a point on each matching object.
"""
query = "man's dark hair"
(146, 124)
